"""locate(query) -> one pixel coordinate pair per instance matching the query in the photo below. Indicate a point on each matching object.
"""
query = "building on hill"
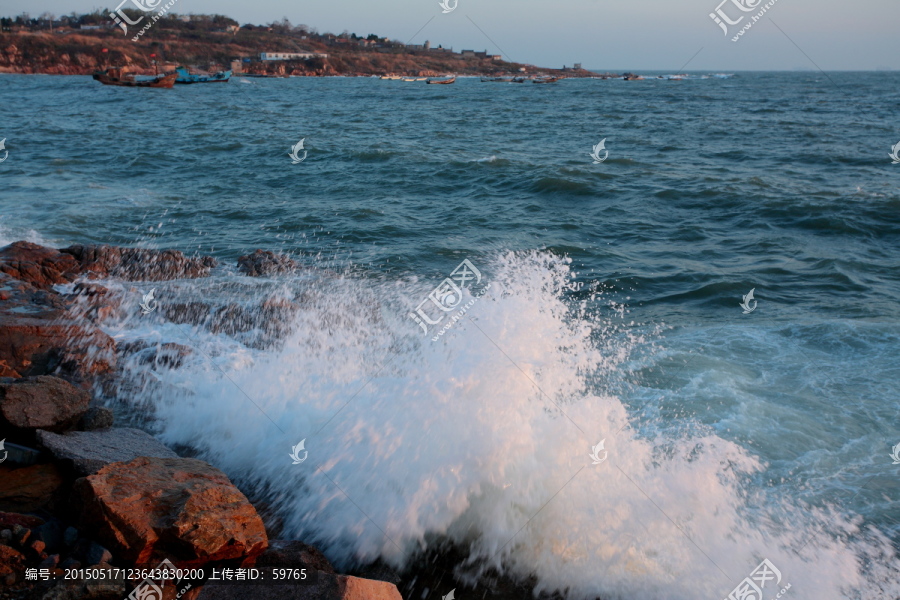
(290, 55)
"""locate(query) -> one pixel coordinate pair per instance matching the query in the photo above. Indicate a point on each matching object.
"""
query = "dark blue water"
(772, 181)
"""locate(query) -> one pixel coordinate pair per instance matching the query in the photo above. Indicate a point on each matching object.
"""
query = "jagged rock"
(42, 402)
(182, 508)
(138, 264)
(39, 335)
(293, 554)
(265, 262)
(327, 587)
(90, 451)
(40, 266)
(29, 488)
(96, 417)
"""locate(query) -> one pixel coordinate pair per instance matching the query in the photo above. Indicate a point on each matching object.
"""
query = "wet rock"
(96, 417)
(89, 451)
(40, 266)
(182, 508)
(169, 355)
(138, 264)
(31, 488)
(327, 587)
(293, 554)
(43, 402)
(265, 262)
(39, 335)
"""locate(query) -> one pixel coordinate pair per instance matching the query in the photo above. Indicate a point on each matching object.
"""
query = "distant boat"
(185, 76)
(442, 81)
(631, 77)
(415, 78)
(391, 77)
(545, 80)
(497, 79)
(519, 79)
(114, 76)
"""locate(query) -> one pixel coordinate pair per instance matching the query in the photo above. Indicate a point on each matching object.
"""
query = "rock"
(265, 262)
(181, 508)
(170, 354)
(6, 537)
(90, 553)
(70, 563)
(39, 335)
(51, 562)
(12, 564)
(37, 546)
(293, 554)
(9, 520)
(29, 488)
(138, 264)
(96, 417)
(20, 534)
(40, 266)
(70, 536)
(327, 587)
(43, 402)
(89, 451)
(51, 533)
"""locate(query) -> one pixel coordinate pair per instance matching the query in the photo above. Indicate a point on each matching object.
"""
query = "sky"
(615, 35)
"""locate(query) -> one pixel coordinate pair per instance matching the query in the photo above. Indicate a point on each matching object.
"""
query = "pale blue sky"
(601, 34)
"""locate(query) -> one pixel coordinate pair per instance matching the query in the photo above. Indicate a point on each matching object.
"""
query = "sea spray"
(483, 438)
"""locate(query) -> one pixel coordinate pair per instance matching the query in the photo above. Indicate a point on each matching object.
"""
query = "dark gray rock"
(70, 563)
(51, 562)
(51, 533)
(266, 262)
(70, 536)
(97, 417)
(293, 554)
(90, 451)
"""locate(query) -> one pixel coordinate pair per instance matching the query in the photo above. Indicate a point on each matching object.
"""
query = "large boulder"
(90, 451)
(138, 264)
(328, 586)
(42, 402)
(265, 262)
(179, 508)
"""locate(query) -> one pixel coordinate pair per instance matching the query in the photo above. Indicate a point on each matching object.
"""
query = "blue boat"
(185, 76)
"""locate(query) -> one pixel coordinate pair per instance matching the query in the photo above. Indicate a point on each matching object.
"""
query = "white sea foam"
(483, 438)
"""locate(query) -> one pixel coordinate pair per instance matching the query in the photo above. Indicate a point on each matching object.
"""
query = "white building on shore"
(290, 55)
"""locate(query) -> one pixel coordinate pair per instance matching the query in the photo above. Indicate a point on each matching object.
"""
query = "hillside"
(81, 45)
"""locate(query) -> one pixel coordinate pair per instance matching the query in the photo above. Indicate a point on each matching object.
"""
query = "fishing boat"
(114, 76)
(519, 79)
(415, 78)
(497, 79)
(391, 77)
(185, 76)
(442, 81)
(545, 80)
(631, 77)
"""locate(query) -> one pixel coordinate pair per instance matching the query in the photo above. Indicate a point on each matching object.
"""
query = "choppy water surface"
(613, 313)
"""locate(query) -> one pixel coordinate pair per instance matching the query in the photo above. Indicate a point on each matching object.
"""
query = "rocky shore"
(77, 491)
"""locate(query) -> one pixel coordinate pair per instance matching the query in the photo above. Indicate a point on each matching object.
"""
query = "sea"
(504, 341)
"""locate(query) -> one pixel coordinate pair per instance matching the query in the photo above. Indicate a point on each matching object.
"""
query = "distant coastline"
(80, 45)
